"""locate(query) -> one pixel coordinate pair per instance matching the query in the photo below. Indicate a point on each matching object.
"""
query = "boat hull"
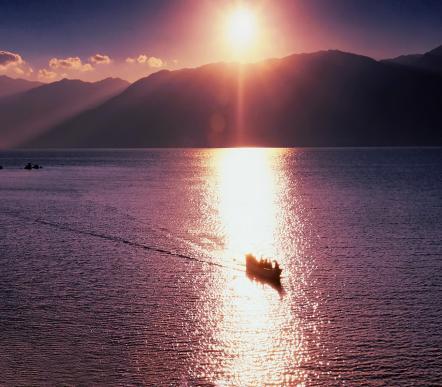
(267, 274)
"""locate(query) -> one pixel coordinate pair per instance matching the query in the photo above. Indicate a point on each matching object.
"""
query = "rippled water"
(125, 267)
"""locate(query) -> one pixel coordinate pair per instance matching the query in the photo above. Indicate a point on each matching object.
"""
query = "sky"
(47, 40)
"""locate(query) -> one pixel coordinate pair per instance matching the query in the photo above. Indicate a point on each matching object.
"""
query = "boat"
(263, 269)
(30, 166)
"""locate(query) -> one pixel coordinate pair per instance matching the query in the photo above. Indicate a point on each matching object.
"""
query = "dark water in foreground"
(87, 298)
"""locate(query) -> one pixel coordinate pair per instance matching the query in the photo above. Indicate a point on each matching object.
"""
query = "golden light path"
(252, 320)
(247, 201)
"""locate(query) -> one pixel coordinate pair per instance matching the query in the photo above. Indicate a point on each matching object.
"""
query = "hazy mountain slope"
(29, 114)
(430, 61)
(322, 99)
(9, 86)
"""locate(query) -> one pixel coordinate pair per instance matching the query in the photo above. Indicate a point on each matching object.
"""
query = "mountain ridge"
(429, 61)
(28, 114)
(326, 98)
(10, 86)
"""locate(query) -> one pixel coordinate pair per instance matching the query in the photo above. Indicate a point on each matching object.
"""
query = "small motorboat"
(263, 269)
(30, 166)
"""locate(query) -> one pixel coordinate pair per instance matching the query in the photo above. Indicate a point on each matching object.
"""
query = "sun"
(241, 28)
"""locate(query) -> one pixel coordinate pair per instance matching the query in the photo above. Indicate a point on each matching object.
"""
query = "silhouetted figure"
(28, 166)
(1, 166)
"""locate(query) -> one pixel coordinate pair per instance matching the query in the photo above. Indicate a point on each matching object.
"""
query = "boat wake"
(117, 239)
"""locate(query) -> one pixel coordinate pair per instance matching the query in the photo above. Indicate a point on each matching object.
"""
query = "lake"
(127, 267)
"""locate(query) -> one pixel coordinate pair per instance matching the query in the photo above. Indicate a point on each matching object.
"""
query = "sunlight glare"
(241, 28)
(251, 318)
(247, 200)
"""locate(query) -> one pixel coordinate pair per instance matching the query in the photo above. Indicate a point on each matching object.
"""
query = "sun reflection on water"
(253, 321)
(247, 200)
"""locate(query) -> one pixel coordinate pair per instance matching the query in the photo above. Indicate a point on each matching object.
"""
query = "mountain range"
(430, 61)
(32, 113)
(9, 86)
(327, 98)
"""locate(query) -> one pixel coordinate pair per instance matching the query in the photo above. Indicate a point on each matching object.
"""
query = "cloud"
(154, 62)
(11, 60)
(8, 59)
(144, 59)
(18, 70)
(71, 63)
(100, 59)
(46, 74)
(13, 63)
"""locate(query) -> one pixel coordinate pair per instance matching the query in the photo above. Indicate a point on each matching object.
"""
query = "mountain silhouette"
(9, 86)
(328, 98)
(29, 114)
(430, 61)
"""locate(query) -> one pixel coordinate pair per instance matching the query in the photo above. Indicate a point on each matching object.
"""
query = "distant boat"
(263, 269)
(32, 166)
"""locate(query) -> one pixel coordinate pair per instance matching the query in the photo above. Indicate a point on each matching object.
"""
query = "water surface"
(125, 267)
